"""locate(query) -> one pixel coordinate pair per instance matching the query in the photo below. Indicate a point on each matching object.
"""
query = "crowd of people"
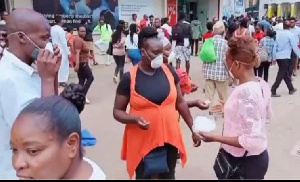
(43, 128)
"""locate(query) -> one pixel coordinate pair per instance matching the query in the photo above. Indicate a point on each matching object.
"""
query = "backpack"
(208, 53)
(263, 52)
(178, 32)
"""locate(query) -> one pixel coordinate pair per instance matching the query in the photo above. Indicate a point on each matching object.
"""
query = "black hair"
(133, 29)
(122, 22)
(82, 25)
(244, 23)
(270, 33)
(209, 26)
(145, 34)
(181, 16)
(292, 19)
(151, 16)
(69, 29)
(224, 18)
(83, 21)
(166, 20)
(62, 112)
(133, 15)
(58, 19)
(117, 35)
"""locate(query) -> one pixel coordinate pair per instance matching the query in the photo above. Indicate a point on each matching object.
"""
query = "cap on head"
(219, 27)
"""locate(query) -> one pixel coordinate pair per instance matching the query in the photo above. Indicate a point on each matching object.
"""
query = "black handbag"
(110, 49)
(224, 168)
(156, 163)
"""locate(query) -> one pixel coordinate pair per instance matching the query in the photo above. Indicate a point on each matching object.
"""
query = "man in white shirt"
(20, 83)
(59, 38)
(134, 20)
(294, 58)
(166, 25)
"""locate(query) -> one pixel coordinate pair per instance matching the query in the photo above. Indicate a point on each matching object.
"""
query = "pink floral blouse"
(247, 111)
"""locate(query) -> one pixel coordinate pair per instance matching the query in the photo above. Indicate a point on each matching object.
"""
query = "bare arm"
(183, 109)
(119, 110)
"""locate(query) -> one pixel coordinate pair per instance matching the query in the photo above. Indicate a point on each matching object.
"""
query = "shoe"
(196, 55)
(87, 101)
(293, 91)
(275, 95)
(115, 79)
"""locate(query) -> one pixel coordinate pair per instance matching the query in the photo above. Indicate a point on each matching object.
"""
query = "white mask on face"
(49, 47)
(157, 62)
(172, 57)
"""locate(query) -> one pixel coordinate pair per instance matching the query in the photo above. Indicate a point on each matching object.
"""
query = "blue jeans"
(135, 56)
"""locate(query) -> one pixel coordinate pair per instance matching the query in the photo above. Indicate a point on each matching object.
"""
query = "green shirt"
(105, 32)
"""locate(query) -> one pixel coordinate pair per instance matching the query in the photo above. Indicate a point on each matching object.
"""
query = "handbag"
(110, 49)
(155, 162)
(224, 169)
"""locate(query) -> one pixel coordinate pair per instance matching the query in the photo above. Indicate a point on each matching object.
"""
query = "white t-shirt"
(251, 30)
(129, 44)
(97, 174)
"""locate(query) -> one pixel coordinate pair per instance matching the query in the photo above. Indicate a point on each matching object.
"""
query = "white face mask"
(157, 62)
(49, 47)
(172, 57)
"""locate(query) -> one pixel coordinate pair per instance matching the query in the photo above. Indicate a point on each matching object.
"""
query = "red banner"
(172, 11)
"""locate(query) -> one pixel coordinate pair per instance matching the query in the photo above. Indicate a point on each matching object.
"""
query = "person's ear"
(21, 38)
(73, 144)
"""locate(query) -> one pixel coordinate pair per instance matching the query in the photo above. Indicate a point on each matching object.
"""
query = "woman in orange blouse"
(152, 135)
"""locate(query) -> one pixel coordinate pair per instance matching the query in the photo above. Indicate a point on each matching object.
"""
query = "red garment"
(258, 35)
(207, 35)
(143, 24)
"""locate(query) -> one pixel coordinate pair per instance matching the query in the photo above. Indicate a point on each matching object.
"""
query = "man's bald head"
(27, 30)
(25, 20)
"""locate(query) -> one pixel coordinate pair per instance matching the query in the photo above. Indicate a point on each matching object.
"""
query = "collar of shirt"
(8, 56)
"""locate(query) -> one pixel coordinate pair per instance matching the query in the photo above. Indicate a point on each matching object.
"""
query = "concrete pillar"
(270, 11)
(293, 12)
(279, 10)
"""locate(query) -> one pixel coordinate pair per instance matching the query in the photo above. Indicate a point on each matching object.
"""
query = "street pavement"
(283, 131)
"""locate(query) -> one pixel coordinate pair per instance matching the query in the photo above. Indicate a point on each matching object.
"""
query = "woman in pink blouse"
(246, 113)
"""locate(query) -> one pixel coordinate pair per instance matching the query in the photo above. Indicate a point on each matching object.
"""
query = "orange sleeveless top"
(164, 126)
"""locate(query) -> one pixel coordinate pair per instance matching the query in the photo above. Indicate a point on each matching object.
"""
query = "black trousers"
(283, 74)
(195, 41)
(252, 167)
(120, 62)
(294, 59)
(263, 69)
(172, 153)
(85, 77)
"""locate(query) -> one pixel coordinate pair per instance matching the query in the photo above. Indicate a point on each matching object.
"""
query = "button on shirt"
(286, 42)
(20, 84)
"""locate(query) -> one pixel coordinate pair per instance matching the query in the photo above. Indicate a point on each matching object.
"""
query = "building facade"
(204, 10)
(283, 8)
